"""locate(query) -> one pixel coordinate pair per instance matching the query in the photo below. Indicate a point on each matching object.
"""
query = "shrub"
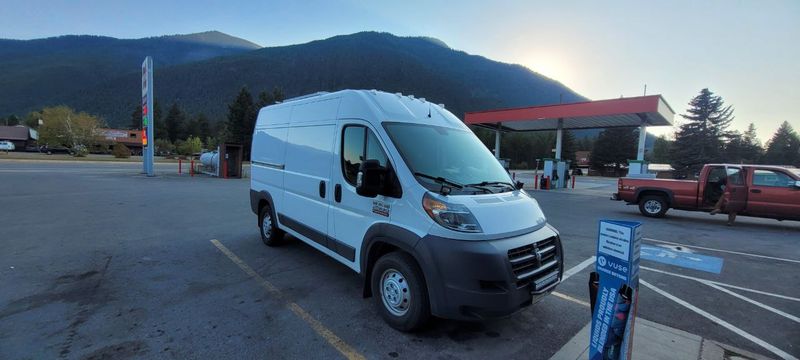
(164, 147)
(121, 151)
(191, 146)
(80, 151)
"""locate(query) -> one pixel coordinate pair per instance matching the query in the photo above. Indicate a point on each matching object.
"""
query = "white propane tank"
(210, 159)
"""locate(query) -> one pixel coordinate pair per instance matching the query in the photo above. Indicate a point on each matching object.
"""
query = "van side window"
(374, 149)
(359, 144)
(352, 151)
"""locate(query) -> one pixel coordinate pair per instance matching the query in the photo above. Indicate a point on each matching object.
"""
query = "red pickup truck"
(750, 190)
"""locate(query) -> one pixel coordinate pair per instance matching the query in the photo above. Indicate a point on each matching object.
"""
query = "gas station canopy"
(640, 111)
(650, 110)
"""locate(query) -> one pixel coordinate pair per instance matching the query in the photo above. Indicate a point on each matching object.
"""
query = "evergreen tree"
(661, 150)
(176, 129)
(701, 139)
(159, 125)
(136, 119)
(568, 146)
(241, 120)
(743, 148)
(32, 119)
(784, 147)
(199, 127)
(614, 147)
(585, 144)
(12, 120)
(753, 151)
(264, 99)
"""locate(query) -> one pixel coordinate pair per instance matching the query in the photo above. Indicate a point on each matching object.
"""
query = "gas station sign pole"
(148, 128)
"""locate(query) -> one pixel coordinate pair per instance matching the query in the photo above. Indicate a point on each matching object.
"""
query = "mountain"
(425, 67)
(45, 71)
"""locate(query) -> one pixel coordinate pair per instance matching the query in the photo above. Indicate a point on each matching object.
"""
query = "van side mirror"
(797, 184)
(369, 181)
(519, 185)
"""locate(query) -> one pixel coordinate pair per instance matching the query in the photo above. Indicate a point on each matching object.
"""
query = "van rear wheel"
(270, 234)
(653, 206)
(402, 296)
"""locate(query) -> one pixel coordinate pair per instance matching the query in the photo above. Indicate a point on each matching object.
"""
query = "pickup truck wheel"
(270, 234)
(653, 206)
(402, 295)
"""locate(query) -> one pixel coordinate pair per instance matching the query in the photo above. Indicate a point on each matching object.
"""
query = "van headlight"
(452, 216)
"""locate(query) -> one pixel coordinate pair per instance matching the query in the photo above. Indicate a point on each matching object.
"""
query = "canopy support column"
(497, 142)
(642, 139)
(559, 135)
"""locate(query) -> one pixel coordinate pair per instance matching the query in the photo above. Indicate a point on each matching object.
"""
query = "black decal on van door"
(381, 208)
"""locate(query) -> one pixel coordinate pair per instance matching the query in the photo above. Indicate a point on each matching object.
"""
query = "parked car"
(6, 145)
(751, 190)
(402, 192)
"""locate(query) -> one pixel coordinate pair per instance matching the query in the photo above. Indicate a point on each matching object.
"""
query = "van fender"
(372, 248)
(257, 198)
(668, 192)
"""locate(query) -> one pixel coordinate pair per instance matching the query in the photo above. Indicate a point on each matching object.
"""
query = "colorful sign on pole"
(148, 145)
(618, 248)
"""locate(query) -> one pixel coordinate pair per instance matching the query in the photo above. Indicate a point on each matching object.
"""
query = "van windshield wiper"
(439, 179)
(443, 181)
(492, 183)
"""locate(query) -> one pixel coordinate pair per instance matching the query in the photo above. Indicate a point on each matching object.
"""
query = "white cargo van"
(402, 192)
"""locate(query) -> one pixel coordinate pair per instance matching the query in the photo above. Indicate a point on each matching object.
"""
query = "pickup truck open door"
(735, 189)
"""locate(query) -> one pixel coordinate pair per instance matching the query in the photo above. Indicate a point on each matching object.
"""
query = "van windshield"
(455, 155)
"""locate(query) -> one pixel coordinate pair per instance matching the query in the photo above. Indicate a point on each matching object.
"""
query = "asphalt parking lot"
(99, 262)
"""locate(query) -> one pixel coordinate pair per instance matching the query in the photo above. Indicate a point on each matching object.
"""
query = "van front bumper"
(470, 280)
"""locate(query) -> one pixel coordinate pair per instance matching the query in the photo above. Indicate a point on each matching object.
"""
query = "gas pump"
(549, 172)
(563, 167)
(638, 168)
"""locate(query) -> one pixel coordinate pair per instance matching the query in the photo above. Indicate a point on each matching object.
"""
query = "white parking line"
(756, 303)
(577, 268)
(723, 323)
(725, 251)
(570, 298)
(704, 281)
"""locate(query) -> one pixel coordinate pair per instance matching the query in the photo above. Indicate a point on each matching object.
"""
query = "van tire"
(270, 234)
(654, 206)
(401, 274)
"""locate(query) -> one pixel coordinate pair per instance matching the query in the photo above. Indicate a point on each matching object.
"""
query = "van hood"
(499, 215)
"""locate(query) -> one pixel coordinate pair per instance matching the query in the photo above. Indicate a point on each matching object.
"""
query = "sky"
(745, 51)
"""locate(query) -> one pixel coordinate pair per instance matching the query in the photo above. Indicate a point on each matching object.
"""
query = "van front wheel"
(402, 295)
(270, 234)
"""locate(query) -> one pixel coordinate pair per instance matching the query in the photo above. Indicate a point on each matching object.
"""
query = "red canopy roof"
(653, 110)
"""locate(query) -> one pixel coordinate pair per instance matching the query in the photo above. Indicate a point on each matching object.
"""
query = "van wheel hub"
(395, 292)
(266, 225)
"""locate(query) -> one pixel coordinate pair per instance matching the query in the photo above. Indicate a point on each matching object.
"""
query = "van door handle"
(337, 193)
(322, 189)
(755, 191)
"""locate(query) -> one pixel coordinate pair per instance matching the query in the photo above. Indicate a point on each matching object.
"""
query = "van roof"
(371, 105)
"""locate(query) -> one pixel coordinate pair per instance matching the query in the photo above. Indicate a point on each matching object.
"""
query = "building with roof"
(22, 136)
(107, 138)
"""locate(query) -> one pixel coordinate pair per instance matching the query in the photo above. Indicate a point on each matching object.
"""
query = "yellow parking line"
(335, 341)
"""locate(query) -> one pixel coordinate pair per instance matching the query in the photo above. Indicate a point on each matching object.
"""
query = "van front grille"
(536, 264)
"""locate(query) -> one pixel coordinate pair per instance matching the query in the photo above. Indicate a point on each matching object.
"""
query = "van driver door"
(352, 214)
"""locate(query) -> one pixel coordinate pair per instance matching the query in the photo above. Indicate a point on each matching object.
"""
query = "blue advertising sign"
(618, 247)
